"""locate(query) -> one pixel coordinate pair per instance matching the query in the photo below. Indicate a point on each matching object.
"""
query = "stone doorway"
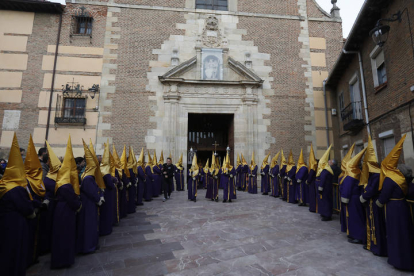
(205, 130)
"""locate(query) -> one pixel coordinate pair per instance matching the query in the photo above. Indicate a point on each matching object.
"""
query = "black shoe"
(224, 201)
(355, 241)
(217, 199)
(140, 204)
(265, 194)
(212, 199)
(326, 219)
(301, 204)
(195, 200)
(230, 200)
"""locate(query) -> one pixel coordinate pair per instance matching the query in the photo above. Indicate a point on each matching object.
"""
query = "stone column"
(171, 99)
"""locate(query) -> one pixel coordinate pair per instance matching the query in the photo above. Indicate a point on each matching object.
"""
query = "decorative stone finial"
(335, 10)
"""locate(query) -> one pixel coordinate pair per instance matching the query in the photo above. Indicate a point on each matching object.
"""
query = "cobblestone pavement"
(255, 235)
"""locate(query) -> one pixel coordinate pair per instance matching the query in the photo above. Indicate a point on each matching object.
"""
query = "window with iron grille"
(70, 110)
(212, 5)
(82, 22)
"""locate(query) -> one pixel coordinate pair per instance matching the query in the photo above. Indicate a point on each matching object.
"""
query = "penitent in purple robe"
(87, 229)
(291, 185)
(149, 183)
(15, 206)
(302, 188)
(202, 178)
(244, 178)
(64, 227)
(156, 191)
(179, 179)
(356, 221)
(46, 219)
(400, 229)
(282, 183)
(325, 198)
(107, 209)
(228, 181)
(252, 189)
(265, 182)
(209, 192)
(313, 191)
(123, 202)
(141, 185)
(192, 187)
(33, 248)
(132, 193)
(238, 176)
(116, 217)
(275, 181)
(376, 229)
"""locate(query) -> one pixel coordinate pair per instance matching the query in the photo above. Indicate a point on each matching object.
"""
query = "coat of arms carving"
(211, 36)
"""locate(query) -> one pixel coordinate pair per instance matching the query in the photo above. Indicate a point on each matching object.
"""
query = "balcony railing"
(352, 117)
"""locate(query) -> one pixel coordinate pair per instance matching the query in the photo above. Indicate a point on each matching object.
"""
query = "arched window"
(212, 5)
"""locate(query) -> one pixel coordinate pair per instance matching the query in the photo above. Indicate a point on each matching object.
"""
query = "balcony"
(352, 118)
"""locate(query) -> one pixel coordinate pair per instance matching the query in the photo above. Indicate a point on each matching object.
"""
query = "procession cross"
(215, 146)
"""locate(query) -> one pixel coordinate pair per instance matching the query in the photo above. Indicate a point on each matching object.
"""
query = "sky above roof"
(349, 11)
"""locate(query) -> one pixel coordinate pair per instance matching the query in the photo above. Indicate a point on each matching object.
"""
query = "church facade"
(168, 75)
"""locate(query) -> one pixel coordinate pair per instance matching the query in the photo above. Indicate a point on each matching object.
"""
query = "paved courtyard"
(256, 235)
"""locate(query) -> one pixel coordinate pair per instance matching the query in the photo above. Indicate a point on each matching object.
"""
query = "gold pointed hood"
(161, 161)
(238, 160)
(228, 162)
(106, 161)
(274, 160)
(124, 163)
(68, 173)
(154, 160)
(313, 164)
(112, 162)
(130, 159)
(213, 163)
(370, 164)
(53, 162)
(291, 162)
(283, 161)
(134, 159)
(194, 166)
(252, 162)
(150, 163)
(141, 159)
(345, 160)
(301, 161)
(179, 164)
(244, 162)
(324, 163)
(206, 168)
(33, 170)
(98, 175)
(389, 167)
(118, 165)
(223, 165)
(265, 161)
(14, 175)
(352, 166)
(90, 163)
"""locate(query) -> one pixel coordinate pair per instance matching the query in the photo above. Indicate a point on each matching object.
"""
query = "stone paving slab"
(254, 235)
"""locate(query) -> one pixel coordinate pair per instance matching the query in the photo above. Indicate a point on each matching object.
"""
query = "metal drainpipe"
(53, 78)
(364, 94)
(326, 112)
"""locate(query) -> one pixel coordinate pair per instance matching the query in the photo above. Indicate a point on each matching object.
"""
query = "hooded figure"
(209, 187)
(132, 190)
(141, 178)
(375, 216)
(394, 187)
(121, 188)
(204, 179)
(126, 184)
(193, 180)
(149, 179)
(283, 176)
(325, 187)
(350, 193)
(313, 193)
(302, 190)
(15, 209)
(244, 178)
(291, 179)
(156, 191)
(274, 171)
(67, 205)
(239, 167)
(34, 176)
(265, 181)
(116, 181)
(107, 210)
(87, 228)
(228, 181)
(160, 166)
(341, 178)
(179, 174)
(46, 219)
(252, 176)
(210, 178)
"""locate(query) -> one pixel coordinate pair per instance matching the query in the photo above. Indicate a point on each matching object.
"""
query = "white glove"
(46, 201)
(286, 177)
(194, 178)
(299, 180)
(129, 184)
(103, 190)
(289, 179)
(231, 176)
(250, 175)
(80, 207)
(253, 175)
(122, 187)
(32, 216)
(361, 198)
(101, 200)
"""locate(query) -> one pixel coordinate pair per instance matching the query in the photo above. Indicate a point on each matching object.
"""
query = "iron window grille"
(82, 22)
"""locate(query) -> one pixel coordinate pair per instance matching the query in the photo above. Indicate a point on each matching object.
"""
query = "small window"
(379, 72)
(382, 74)
(83, 25)
(389, 144)
(74, 107)
(359, 148)
(212, 4)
